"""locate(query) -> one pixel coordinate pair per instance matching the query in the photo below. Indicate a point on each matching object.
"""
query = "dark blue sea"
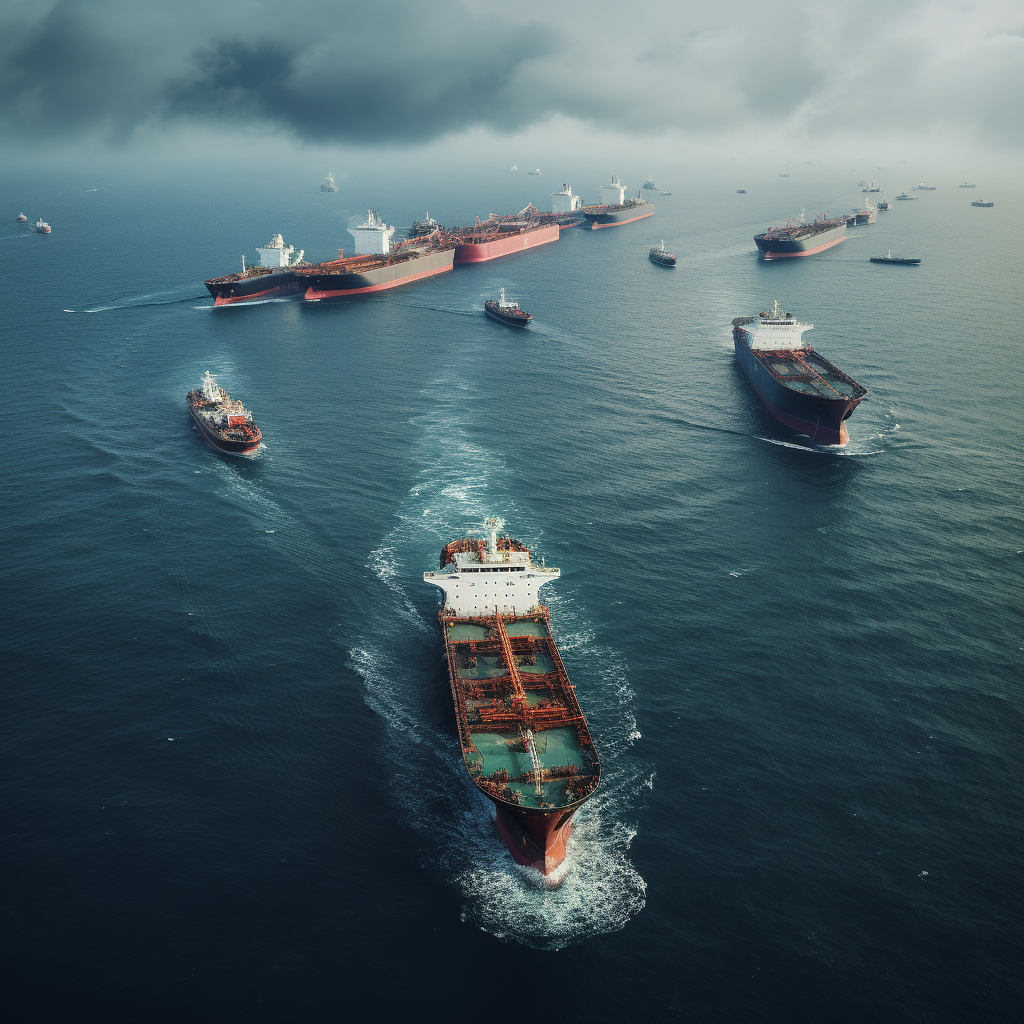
(232, 788)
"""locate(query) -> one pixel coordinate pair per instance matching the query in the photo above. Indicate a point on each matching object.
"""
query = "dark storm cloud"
(402, 71)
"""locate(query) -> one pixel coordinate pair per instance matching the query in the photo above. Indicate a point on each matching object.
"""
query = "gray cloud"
(404, 71)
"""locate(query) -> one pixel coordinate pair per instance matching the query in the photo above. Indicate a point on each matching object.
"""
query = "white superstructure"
(276, 254)
(614, 193)
(373, 237)
(775, 331)
(491, 577)
(565, 201)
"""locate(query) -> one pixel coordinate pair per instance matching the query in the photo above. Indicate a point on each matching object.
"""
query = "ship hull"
(661, 260)
(344, 284)
(607, 217)
(481, 252)
(223, 444)
(234, 288)
(823, 420)
(535, 841)
(779, 248)
(511, 319)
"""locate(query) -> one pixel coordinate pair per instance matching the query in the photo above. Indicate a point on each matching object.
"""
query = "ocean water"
(232, 786)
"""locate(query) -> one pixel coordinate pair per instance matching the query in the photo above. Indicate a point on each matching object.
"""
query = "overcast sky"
(123, 73)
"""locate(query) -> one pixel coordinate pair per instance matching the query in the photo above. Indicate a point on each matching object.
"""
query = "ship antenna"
(243, 263)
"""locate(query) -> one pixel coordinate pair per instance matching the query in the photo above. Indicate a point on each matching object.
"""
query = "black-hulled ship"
(427, 226)
(224, 424)
(797, 385)
(903, 261)
(661, 255)
(799, 238)
(272, 278)
(507, 311)
(616, 209)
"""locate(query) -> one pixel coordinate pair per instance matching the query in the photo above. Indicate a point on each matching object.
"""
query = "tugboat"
(42, 227)
(224, 424)
(977, 202)
(21, 218)
(524, 739)
(906, 261)
(649, 183)
(662, 256)
(507, 311)
(328, 185)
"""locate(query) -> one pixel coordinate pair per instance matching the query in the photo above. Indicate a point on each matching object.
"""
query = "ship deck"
(497, 703)
(807, 372)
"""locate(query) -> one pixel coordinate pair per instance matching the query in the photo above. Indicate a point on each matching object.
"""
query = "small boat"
(924, 188)
(741, 191)
(328, 185)
(664, 193)
(905, 261)
(981, 202)
(514, 167)
(42, 227)
(783, 175)
(536, 170)
(507, 311)
(965, 185)
(225, 424)
(883, 205)
(871, 188)
(662, 256)
(649, 183)
(903, 195)
(21, 218)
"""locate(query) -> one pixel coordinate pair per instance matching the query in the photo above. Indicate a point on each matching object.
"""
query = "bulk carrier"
(525, 742)
(801, 239)
(799, 387)
(616, 209)
(377, 265)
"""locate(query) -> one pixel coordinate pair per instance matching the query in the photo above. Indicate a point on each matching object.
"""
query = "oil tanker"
(271, 278)
(799, 387)
(524, 739)
(502, 235)
(616, 209)
(801, 239)
(377, 265)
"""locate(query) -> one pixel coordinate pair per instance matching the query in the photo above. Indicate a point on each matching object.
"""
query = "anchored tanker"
(799, 387)
(801, 239)
(271, 278)
(502, 235)
(525, 742)
(615, 209)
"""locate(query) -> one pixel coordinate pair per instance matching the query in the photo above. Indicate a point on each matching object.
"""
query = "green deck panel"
(486, 668)
(555, 748)
(526, 627)
(543, 666)
(467, 631)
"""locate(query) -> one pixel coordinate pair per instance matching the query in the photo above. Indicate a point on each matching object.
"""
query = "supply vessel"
(377, 265)
(507, 311)
(662, 255)
(799, 387)
(800, 238)
(501, 235)
(272, 278)
(224, 424)
(615, 209)
(524, 739)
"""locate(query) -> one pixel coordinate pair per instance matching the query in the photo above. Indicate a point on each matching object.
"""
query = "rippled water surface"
(233, 787)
